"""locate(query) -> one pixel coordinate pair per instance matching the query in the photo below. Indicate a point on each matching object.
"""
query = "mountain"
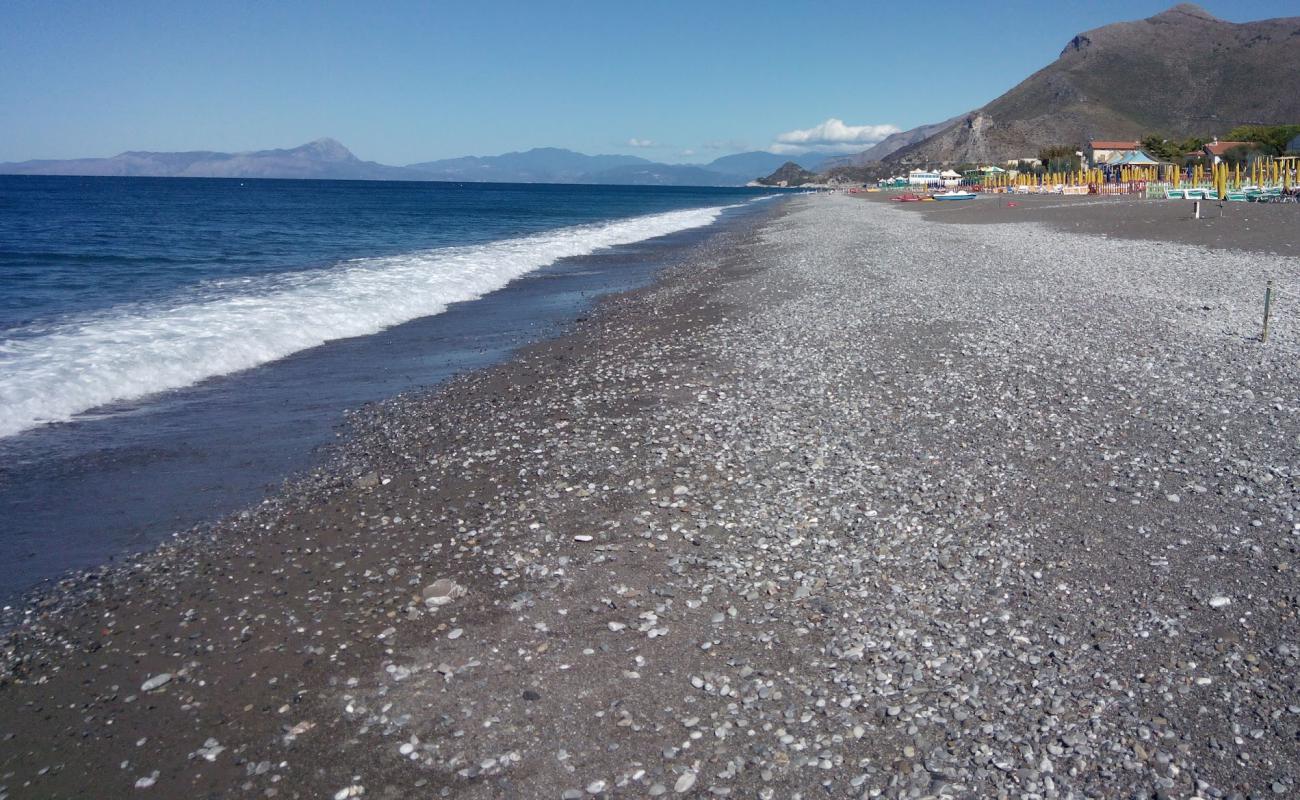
(555, 165)
(539, 165)
(326, 158)
(1180, 73)
(323, 158)
(790, 174)
(760, 162)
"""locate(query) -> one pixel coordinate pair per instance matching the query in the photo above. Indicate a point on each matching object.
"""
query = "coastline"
(127, 475)
(849, 512)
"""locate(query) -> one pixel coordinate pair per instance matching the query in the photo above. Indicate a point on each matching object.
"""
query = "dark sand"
(1271, 228)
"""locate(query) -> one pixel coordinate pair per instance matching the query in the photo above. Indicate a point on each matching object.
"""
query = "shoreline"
(109, 487)
(814, 512)
(331, 459)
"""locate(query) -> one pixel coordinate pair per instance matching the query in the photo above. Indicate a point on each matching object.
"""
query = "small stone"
(156, 682)
(596, 787)
(684, 783)
(1219, 601)
(443, 591)
(582, 537)
(455, 633)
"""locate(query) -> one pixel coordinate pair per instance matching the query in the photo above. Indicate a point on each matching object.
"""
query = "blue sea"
(170, 348)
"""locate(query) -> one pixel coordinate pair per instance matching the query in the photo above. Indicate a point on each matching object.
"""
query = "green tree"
(1059, 157)
(1159, 148)
(1241, 154)
(1272, 139)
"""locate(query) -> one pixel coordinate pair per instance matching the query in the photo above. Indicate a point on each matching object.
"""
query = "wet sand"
(848, 504)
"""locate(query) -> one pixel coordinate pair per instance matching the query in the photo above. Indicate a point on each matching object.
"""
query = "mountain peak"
(1186, 10)
(326, 149)
(1131, 79)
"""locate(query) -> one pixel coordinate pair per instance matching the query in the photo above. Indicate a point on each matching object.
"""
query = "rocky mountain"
(1182, 72)
(323, 158)
(789, 174)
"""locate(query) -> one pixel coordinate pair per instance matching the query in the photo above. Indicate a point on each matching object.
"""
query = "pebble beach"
(854, 502)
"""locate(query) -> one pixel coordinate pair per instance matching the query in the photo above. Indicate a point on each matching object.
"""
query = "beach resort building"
(1106, 151)
(923, 177)
(1216, 149)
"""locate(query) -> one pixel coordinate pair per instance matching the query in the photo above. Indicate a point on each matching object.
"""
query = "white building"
(923, 177)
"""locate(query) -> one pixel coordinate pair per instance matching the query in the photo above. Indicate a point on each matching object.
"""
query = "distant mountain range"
(323, 158)
(1180, 73)
(327, 159)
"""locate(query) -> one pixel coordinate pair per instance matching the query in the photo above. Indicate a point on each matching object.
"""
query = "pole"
(1268, 311)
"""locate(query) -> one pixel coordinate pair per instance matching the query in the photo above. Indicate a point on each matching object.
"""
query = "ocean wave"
(131, 352)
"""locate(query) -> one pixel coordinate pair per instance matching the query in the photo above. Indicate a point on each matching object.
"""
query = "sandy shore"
(853, 504)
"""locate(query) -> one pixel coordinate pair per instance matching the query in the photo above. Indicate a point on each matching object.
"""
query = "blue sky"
(400, 82)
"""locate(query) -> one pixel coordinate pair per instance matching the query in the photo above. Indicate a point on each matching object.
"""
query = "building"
(1216, 149)
(1104, 151)
(923, 177)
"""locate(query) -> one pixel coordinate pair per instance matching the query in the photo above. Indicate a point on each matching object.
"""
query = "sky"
(400, 82)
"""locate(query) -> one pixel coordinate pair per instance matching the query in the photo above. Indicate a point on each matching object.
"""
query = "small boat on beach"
(955, 196)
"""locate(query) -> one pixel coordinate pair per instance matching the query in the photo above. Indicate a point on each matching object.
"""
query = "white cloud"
(635, 142)
(832, 136)
(688, 152)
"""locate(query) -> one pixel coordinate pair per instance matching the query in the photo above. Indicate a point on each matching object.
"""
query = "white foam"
(131, 352)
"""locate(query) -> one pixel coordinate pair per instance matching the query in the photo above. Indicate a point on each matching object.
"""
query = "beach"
(848, 503)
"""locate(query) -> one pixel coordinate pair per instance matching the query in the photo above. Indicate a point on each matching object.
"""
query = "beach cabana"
(950, 177)
(1134, 158)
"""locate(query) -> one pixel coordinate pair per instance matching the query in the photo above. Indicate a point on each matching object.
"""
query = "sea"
(172, 349)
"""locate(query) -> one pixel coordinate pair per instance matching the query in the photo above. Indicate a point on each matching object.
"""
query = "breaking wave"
(128, 352)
